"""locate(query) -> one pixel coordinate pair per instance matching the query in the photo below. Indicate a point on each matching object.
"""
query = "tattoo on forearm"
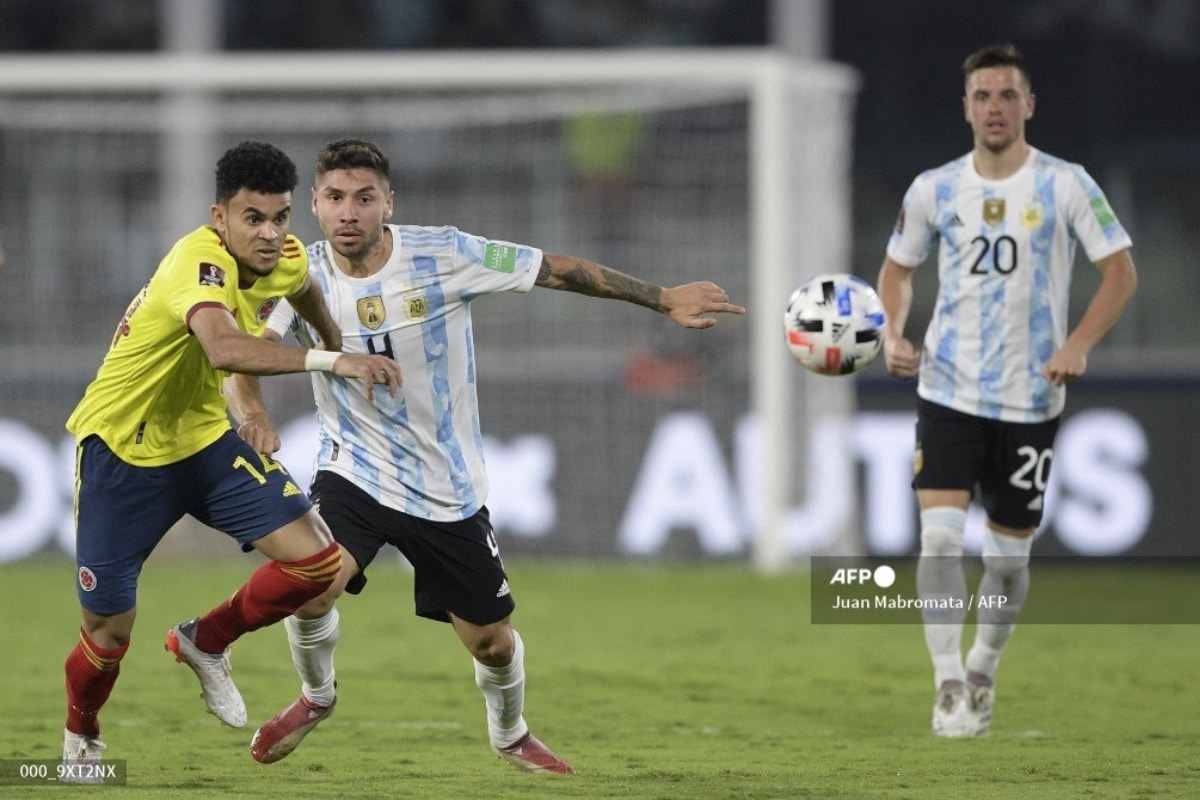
(600, 281)
(633, 290)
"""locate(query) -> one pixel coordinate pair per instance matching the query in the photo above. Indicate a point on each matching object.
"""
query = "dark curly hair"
(352, 154)
(257, 166)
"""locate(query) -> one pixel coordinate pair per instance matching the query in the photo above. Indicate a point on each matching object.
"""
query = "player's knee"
(1003, 555)
(320, 605)
(316, 574)
(942, 531)
(493, 648)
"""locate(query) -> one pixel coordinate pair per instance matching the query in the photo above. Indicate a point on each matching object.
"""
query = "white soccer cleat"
(980, 696)
(222, 697)
(81, 758)
(950, 711)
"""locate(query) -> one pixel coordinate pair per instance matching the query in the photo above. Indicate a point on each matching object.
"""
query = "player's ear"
(389, 204)
(216, 213)
(314, 201)
(1029, 105)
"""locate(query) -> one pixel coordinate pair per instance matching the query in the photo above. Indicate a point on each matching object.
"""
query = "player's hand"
(1065, 366)
(686, 303)
(257, 432)
(370, 370)
(902, 359)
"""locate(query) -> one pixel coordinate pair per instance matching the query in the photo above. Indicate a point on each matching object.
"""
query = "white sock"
(1005, 573)
(504, 694)
(940, 576)
(312, 642)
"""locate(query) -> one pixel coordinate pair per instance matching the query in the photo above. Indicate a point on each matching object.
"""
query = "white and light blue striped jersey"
(422, 451)
(1006, 249)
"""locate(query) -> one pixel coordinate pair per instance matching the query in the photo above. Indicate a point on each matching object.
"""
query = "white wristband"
(320, 360)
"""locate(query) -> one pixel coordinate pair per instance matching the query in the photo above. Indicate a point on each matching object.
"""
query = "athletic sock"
(91, 673)
(312, 642)
(274, 591)
(504, 694)
(940, 577)
(1005, 575)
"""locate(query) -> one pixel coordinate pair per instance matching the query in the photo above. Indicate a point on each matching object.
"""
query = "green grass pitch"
(675, 681)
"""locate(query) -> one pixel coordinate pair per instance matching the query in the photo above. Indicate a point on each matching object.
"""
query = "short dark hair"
(997, 55)
(353, 154)
(257, 166)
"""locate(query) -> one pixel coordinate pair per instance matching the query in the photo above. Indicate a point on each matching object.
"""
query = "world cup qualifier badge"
(211, 275)
(87, 579)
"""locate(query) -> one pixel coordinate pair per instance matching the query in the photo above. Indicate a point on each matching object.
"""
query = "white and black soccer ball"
(834, 324)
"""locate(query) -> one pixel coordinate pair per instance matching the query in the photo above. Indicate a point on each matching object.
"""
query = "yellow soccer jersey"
(156, 398)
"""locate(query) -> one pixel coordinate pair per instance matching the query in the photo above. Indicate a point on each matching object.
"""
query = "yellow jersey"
(156, 398)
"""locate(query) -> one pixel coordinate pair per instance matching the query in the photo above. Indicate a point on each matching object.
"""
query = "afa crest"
(1033, 215)
(416, 306)
(371, 312)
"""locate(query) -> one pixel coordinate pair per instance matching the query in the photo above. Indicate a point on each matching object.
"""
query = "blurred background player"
(996, 358)
(409, 471)
(155, 443)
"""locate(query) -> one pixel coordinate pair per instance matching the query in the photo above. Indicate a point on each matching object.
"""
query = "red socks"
(274, 591)
(91, 672)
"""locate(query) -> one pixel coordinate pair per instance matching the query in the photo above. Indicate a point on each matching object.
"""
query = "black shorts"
(456, 565)
(1009, 462)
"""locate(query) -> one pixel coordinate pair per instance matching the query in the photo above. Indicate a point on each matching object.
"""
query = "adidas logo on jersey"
(503, 590)
(290, 489)
(955, 222)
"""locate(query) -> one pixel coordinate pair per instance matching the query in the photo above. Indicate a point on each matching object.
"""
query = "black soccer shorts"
(456, 565)
(1009, 462)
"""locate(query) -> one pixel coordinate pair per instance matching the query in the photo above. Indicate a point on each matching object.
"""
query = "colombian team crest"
(268, 306)
(415, 305)
(371, 312)
(87, 579)
(993, 211)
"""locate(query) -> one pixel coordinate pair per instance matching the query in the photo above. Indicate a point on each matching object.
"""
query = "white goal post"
(798, 118)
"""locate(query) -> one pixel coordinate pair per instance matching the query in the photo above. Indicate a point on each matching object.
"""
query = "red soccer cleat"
(281, 734)
(531, 755)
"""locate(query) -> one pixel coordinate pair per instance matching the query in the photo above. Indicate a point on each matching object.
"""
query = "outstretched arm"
(231, 349)
(685, 304)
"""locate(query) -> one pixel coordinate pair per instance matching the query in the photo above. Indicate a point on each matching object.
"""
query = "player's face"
(997, 104)
(351, 206)
(254, 226)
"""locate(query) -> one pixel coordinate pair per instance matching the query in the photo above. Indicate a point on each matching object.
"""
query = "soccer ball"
(834, 324)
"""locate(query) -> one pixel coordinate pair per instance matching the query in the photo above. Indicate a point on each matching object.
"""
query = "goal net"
(610, 431)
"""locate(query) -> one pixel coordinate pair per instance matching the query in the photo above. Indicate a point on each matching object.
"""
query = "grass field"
(654, 681)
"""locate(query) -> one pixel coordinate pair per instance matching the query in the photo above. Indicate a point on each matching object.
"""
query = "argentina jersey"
(420, 452)
(1006, 250)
